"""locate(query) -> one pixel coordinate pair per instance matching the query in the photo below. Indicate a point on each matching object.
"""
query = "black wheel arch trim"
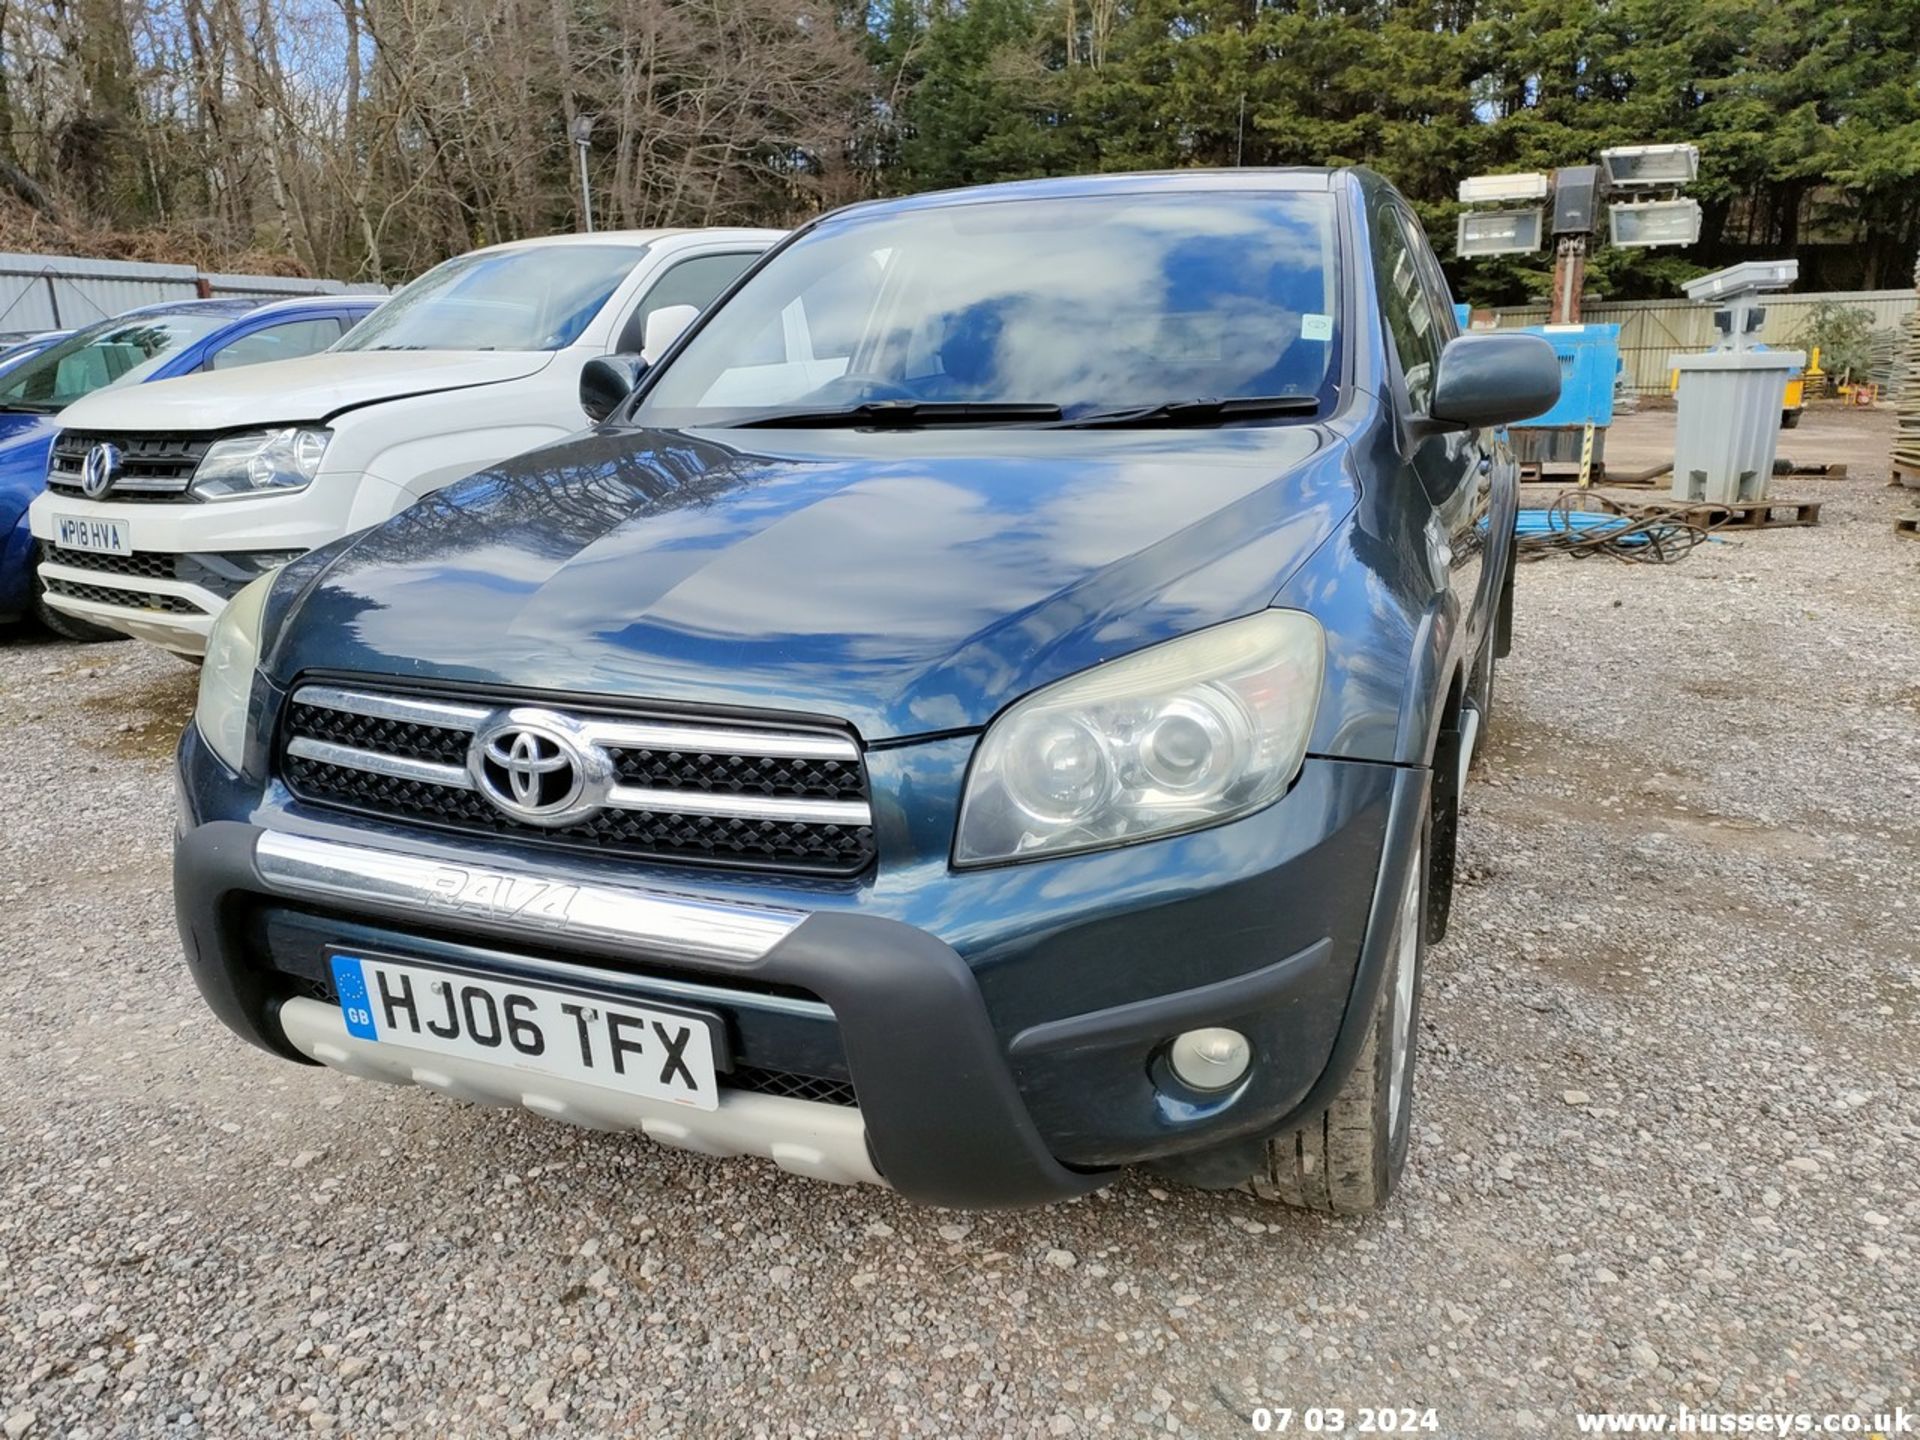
(1406, 815)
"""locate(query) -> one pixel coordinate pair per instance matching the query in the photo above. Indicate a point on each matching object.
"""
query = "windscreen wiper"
(904, 414)
(1201, 411)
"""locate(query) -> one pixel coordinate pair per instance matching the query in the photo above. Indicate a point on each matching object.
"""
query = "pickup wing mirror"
(664, 326)
(1493, 379)
(606, 381)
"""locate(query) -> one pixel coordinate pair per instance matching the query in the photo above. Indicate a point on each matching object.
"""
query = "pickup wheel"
(1348, 1160)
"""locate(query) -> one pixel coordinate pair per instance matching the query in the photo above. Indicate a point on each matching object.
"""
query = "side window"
(277, 342)
(696, 282)
(1417, 333)
(1439, 293)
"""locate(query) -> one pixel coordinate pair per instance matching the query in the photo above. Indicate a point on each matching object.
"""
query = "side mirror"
(1494, 379)
(664, 326)
(607, 380)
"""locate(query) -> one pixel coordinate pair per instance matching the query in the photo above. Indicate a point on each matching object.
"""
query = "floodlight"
(1503, 189)
(1630, 166)
(1649, 223)
(1497, 232)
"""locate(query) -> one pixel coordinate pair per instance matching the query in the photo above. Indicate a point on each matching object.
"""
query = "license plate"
(80, 532)
(615, 1044)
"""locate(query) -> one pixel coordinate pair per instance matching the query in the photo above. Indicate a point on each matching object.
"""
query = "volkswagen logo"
(99, 470)
(533, 767)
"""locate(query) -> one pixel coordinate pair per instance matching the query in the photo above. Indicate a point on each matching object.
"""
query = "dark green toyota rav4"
(988, 708)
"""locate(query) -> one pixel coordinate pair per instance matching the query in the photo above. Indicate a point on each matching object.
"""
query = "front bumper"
(177, 613)
(986, 1074)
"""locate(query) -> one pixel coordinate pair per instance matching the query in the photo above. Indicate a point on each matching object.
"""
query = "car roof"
(322, 301)
(629, 237)
(228, 304)
(1149, 182)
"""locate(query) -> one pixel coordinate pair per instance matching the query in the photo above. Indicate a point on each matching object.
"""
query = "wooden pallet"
(1755, 515)
(1904, 474)
(1907, 528)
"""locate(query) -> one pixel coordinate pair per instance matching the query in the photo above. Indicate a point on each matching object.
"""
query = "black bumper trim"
(1164, 1015)
(945, 1122)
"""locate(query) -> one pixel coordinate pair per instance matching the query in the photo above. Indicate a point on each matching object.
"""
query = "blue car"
(14, 352)
(988, 709)
(153, 342)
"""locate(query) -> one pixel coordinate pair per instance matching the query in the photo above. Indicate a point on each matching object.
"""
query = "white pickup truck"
(163, 500)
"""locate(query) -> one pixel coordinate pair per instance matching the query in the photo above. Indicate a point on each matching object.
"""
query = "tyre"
(1503, 615)
(1790, 420)
(1480, 694)
(67, 627)
(1348, 1161)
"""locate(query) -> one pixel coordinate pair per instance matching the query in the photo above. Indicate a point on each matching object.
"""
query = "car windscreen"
(122, 351)
(540, 298)
(1091, 304)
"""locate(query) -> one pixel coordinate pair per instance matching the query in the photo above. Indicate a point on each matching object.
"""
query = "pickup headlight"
(226, 677)
(1185, 734)
(262, 462)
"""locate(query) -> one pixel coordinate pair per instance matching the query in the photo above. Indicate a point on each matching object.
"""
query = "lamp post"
(582, 133)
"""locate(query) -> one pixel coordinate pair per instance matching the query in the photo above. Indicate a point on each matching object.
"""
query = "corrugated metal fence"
(1652, 330)
(60, 292)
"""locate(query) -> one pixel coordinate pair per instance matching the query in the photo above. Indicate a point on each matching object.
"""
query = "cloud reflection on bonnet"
(905, 581)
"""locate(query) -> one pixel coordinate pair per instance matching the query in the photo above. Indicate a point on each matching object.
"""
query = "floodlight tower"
(1574, 431)
(1643, 217)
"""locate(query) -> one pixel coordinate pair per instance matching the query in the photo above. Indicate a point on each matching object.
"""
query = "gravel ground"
(1668, 1135)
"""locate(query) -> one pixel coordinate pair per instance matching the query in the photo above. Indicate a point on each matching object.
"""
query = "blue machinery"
(1574, 432)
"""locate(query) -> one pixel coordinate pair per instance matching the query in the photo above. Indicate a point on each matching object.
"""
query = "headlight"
(1188, 733)
(264, 462)
(226, 677)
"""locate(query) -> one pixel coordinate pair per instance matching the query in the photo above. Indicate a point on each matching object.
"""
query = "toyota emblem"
(532, 769)
(99, 470)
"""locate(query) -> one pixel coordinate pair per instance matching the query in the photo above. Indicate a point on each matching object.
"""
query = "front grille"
(148, 565)
(791, 1086)
(695, 791)
(225, 574)
(125, 599)
(153, 466)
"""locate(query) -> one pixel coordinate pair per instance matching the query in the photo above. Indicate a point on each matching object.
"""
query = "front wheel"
(1349, 1160)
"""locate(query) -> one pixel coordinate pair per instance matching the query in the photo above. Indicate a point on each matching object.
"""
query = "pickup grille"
(694, 791)
(147, 565)
(154, 466)
(126, 599)
(223, 574)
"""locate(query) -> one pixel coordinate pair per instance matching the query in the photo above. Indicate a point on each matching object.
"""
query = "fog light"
(1210, 1059)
